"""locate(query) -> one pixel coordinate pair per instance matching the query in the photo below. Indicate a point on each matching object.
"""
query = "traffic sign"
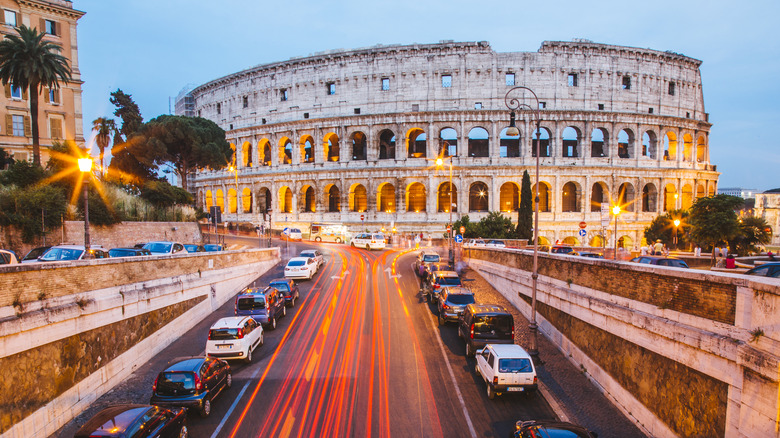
(583, 224)
(362, 217)
(583, 233)
(449, 228)
(458, 238)
(286, 231)
(462, 230)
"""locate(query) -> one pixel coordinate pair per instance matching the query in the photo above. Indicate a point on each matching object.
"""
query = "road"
(360, 355)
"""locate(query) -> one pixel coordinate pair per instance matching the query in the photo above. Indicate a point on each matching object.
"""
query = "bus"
(321, 232)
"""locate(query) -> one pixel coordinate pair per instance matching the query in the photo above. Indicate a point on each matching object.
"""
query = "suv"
(766, 270)
(482, 324)
(425, 258)
(440, 279)
(369, 241)
(506, 368)
(265, 306)
(452, 302)
(191, 382)
(660, 261)
(234, 337)
(536, 428)
(288, 288)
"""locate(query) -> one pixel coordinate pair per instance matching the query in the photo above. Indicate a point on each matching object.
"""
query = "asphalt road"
(360, 355)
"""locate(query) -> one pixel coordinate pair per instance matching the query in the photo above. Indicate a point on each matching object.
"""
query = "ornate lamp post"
(85, 166)
(616, 212)
(439, 162)
(515, 104)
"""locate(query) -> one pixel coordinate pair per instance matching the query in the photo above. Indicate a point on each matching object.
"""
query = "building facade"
(737, 191)
(59, 111)
(352, 137)
(768, 207)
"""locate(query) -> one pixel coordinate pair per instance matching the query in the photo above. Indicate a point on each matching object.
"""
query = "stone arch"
(570, 195)
(386, 198)
(386, 145)
(670, 146)
(333, 198)
(509, 197)
(544, 196)
(330, 147)
(285, 199)
(307, 203)
(650, 145)
(479, 197)
(599, 194)
(264, 149)
(479, 142)
(235, 154)
(307, 149)
(626, 196)
(570, 139)
(443, 198)
(450, 148)
(649, 198)
(701, 150)
(358, 198)
(232, 201)
(625, 143)
(599, 143)
(209, 201)
(544, 143)
(670, 197)
(246, 154)
(597, 241)
(626, 242)
(264, 204)
(415, 197)
(700, 191)
(688, 152)
(285, 151)
(711, 190)
(543, 240)
(359, 146)
(509, 145)
(687, 197)
(417, 145)
(246, 200)
(221, 200)
(571, 240)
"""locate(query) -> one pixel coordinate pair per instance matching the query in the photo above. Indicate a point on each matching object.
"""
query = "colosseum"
(351, 136)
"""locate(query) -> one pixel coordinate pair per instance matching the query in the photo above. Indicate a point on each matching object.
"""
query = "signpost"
(459, 238)
(462, 230)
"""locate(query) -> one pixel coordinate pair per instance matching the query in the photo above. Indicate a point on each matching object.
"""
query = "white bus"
(329, 233)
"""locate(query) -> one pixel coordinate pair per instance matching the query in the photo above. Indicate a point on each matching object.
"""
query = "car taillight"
(209, 335)
(535, 380)
(436, 286)
(495, 380)
(154, 387)
(472, 331)
(513, 332)
(445, 306)
(240, 333)
(198, 385)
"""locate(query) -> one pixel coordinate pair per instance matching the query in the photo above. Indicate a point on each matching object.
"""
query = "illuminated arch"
(509, 197)
(570, 197)
(333, 198)
(264, 200)
(264, 149)
(221, 200)
(544, 196)
(386, 198)
(649, 198)
(359, 146)
(415, 197)
(358, 198)
(701, 150)
(626, 197)
(417, 145)
(649, 145)
(246, 200)
(209, 200)
(285, 200)
(670, 197)
(670, 146)
(443, 198)
(599, 194)
(232, 201)
(330, 147)
(285, 151)
(307, 149)
(688, 147)
(571, 240)
(479, 197)
(246, 152)
(687, 197)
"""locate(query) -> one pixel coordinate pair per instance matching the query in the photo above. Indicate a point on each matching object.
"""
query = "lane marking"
(235, 403)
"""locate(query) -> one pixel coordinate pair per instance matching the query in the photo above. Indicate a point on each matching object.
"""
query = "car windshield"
(296, 263)
(431, 258)
(175, 380)
(191, 248)
(121, 252)
(461, 299)
(223, 333)
(449, 281)
(514, 366)
(62, 254)
(672, 262)
(283, 287)
(497, 323)
(35, 253)
(123, 420)
(159, 247)
(308, 254)
(250, 303)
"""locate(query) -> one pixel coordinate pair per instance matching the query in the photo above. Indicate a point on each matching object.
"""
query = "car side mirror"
(480, 351)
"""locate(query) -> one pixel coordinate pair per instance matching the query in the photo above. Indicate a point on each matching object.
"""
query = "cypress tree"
(525, 212)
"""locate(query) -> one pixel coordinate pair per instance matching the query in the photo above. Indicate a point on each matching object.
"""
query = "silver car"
(452, 303)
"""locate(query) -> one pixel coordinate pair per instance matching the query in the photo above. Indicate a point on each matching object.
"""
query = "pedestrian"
(658, 248)
(725, 251)
(643, 250)
(716, 250)
(666, 251)
(721, 263)
(771, 256)
(697, 251)
(730, 262)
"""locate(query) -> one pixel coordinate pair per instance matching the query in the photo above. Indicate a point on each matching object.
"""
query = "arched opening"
(670, 146)
(263, 200)
(417, 144)
(598, 195)
(285, 151)
(571, 240)
(571, 142)
(649, 144)
(569, 198)
(626, 197)
(649, 198)
(308, 201)
(597, 241)
(509, 197)
(358, 199)
(358, 146)
(285, 200)
(450, 148)
(544, 196)
(598, 143)
(386, 145)
(246, 151)
(699, 191)
(331, 147)
(625, 143)
(209, 200)
(509, 144)
(415, 198)
(232, 201)
(544, 143)
(543, 240)
(246, 200)
(235, 155)
(479, 198)
(386, 198)
(479, 143)
(307, 149)
(626, 242)
(670, 197)
(687, 197)
(333, 195)
(687, 147)
(711, 191)
(443, 198)
(701, 150)
(265, 148)
(221, 200)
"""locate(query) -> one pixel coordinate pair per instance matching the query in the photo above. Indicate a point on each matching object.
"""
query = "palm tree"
(104, 128)
(29, 62)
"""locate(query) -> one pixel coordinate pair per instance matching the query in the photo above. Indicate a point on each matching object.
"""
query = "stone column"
(431, 142)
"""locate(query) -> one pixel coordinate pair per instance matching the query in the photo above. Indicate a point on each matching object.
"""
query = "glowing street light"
(676, 225)
(616, 212)
(85, 166)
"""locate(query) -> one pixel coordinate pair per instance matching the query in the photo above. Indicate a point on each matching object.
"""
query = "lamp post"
(85, 166)
(439, 162)
(676, 225)
(515, 104)
(616, 212)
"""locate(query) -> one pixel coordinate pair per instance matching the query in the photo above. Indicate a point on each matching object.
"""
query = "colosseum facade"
(351, 137)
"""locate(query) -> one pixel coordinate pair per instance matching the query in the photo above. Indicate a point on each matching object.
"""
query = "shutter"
(46, 94)
(43, 26)
(2, 16)
(56, 128)
(27, 127)
(9, 124)
(25, 95)
(7, 90)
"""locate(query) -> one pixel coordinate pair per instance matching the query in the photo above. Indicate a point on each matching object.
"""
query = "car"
(550, 428)
(288, 288)
(316, 255)
(34, 253)
(369, 241)
(191, 382)
(452, 302)
(435, 267)
(136, 421)
(440, 279)
(506, 368)
(474, 243)
(482, 324)
(590, 255)
(495, 244)
(301, 267)
(660, 261)
(425, 258)
(8, 257)
(72, 252)
(128, 252)
(234, 337)
(212, 247)
(265, 305)
(192, 247)
(766, 270)
(164, 248)
(561, 249)
(292, 234)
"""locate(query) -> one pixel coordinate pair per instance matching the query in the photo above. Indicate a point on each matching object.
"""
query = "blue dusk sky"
(153, 49)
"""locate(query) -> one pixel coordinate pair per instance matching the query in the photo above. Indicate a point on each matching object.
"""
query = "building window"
(16, 92)
(55, 129)
(478, 105)
(446, 81)
(219, 108)
(283, 94)
(671, 88)
(415, 107)
(198, 113)
(510, 79)
(572, 79)
(331, 87)
(385, 84)
(601, 107)
(50, 27)
(649, 111)
(626, 82)
(264, 121)
(54, 96)
(18, 126)
(687, 115)
(542, 105)
(246, 101)
(357, 110)
(305, 115)
(10, 18)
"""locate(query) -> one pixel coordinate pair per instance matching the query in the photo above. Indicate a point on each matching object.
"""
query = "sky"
(153, 49)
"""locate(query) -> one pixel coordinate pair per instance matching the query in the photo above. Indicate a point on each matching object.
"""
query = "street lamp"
(439, 162)
(85, 166)
(515, 104)
(616, 212)
(676, 225)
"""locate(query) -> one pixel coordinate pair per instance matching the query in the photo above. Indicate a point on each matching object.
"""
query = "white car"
(474, 243)
(506, 368)
(301, 267)
(495, 244)
(292, 234)
(234, 337)
(72, 252)
(165, 248)
(8, 258)
(369, 241)
(314, 254)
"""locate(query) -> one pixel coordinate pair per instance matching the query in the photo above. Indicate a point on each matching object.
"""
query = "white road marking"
(235, 403)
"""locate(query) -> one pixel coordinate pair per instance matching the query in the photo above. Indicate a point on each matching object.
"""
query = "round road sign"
(583, 224)
(583, 233)
(462, 230)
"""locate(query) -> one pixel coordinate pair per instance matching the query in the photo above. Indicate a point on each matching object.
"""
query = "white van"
(369, 241)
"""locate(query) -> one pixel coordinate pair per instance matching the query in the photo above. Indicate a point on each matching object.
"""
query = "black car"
(766, 270)
(136, 421)
(660, 261)
(128, 252)
(288, 288)
(482, 324)
(536, 429)
(192, 382)
(34, 253)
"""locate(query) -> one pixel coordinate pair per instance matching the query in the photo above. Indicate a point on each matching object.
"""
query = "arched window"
(626, 197)
(209, 200)
(235, 155)
(479, 144)
(387, 198)
(358, 199)
(246, 200)
(571, 142)
(387, 145)
(569, 198)
(415, 198)
(285, 200)
(544, 196)
(670, 197)
(450, 148)
(509, 144)
(285, 151)
(509, 197)
(687, 197)
(359, 146)
(443, 198)
(263, 201)
(479, 197)
(699, 191)
(334, 199)
(687, 147)
(221, 200)
(246, 150)
(670, 146)
(544, 143)
(598, 196)
(598, 143)
(232, 201)
(265, 147)
(649, 145)
(309, 200)
(417, 144)
(625, 143)
(701, 150)
(331, 146)
(307, 149)
(649, 198)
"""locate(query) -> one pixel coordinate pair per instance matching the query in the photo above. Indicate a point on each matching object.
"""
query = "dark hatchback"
(552, 429)
(482, 324)
(766, 270)
(136, 421)
(128, 252)
(288, 288)
(192, 382)
(660, 261)
(34, 253)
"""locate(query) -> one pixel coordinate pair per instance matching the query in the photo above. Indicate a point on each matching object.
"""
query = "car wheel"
(318, 239)
(338, 240)
(284, 311)
(183, 433)
(490, 392)
(441, 320)
(368, 247)
(353, 244)
(205, 410)
(248, 358)
(229, 381)
(292, 303)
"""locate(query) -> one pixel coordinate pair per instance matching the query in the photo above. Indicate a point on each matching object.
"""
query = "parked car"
(482, 324)
(369, 241)
(301, 267)
(590, 255)
(265, 305)
(561, 249)
(191, 382)
(316, 255)
(495, 244)
(34, 253)
(766, 270)
(474, 243)
(288, 288)
(506, 368)
(159, 248)
(435, 267)
(452, 303)
(440, 279)
(136, 421)
(212, 247)
(8, 257)
(424, 259)
(550, 428)
(72, 252)
(192, 247)
(128, 252)
(292, 234)
(234, 337)
(660, 261)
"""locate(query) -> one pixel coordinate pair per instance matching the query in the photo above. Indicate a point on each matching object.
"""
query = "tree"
(525, 213)
(29, 62)
(127, 110)
(104, 129)
(22, 174)
(125, 167)
(184, 143)
(163, 194)
(713, 220)
(752, 231)
(662, 228)
(471, 227)
(5, 158)
(495, 226)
